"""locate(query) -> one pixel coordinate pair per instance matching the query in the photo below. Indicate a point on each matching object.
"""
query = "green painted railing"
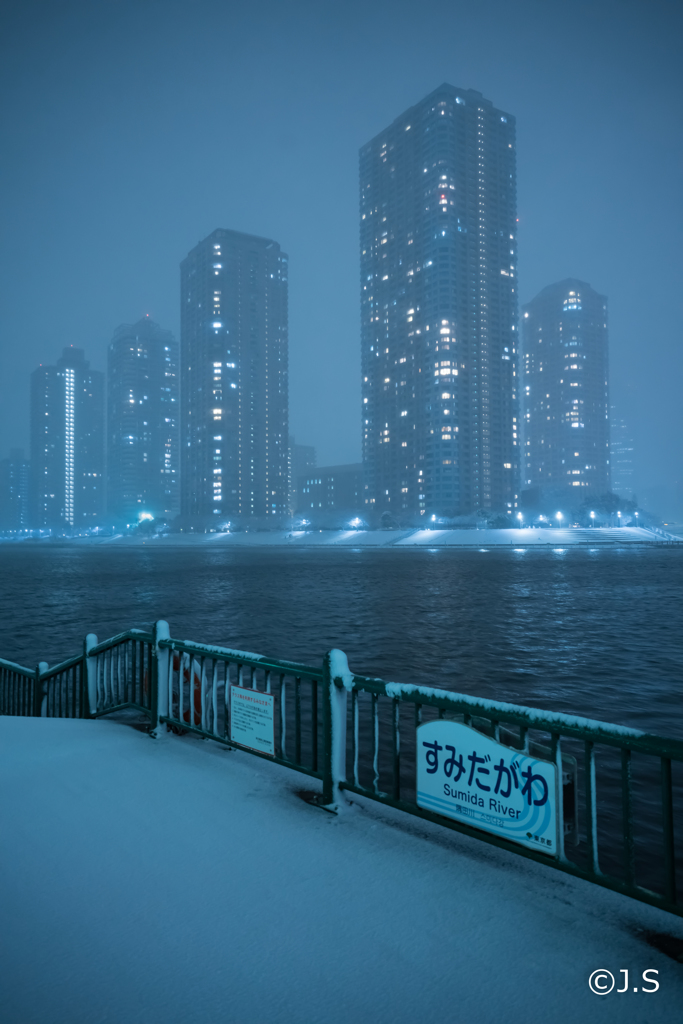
(620, 802)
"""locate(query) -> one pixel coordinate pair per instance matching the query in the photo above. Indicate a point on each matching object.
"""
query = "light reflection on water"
(591, 632)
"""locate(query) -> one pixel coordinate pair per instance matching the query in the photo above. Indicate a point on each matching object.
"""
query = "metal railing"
(601, 837)
(621, 790)
(669, 538)
(120, 673)
(19, 689)
(194, 696)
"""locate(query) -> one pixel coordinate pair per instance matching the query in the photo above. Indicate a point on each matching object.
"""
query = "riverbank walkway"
(175, 881)
(428, 538)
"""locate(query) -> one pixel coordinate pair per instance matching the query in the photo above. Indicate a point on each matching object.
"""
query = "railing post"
(328, 776)
(40, 692)
(159, 693)
(89, 679)
(337, 681)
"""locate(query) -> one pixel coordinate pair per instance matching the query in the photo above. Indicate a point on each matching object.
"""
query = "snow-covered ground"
(174, 882)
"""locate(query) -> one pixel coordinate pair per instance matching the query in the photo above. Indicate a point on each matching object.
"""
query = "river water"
(588, 632)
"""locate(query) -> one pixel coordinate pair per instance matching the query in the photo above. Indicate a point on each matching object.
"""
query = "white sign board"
(252, 718)
(471, 778)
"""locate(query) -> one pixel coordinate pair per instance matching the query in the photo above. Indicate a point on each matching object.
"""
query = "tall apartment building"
(621, 456)
(439, 309)
(14, 492)
(142, 422)
(234, 379)
(564, 372)
(67, 444)
(302, 458)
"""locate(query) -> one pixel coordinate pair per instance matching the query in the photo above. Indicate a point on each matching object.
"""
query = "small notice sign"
(474, 779)
(252, 719)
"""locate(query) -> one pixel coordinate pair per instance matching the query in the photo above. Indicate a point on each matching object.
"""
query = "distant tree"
(608, 504)
(388, 522)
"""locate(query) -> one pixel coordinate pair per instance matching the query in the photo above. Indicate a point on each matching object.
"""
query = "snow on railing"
(665, 534)
(358, 735)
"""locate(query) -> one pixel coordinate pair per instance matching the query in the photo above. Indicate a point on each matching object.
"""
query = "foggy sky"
(132, 128)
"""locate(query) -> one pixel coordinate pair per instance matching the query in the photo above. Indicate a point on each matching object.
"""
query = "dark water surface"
(589, 632)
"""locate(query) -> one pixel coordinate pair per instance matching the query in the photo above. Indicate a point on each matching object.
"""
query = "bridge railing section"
(107, 677)
(121, 673)
(196, 684)
(620, 792)
(19, 689)
(62, 689)
(620, 795)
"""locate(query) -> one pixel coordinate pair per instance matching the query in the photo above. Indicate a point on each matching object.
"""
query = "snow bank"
(181, 883)
(426, 538)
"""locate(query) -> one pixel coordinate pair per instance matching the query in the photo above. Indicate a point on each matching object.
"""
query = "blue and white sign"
(471, 778)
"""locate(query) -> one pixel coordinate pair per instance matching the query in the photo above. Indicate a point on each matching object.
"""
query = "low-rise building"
(331, 489)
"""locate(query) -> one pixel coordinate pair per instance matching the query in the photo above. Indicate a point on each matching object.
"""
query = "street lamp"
(636, 519)
(520, 517)
(619, 515)
(593, 519)
(558, 516)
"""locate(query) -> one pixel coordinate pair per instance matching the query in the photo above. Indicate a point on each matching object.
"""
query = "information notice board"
(252, 719)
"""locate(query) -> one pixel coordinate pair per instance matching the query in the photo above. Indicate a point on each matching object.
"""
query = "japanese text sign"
(471, 778)
(252, 719)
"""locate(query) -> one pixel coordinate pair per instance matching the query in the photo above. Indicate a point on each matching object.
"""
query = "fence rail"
(619, 798)
(18, 687)
(195, 682)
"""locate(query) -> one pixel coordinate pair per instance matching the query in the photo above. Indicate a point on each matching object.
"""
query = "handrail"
(13, 667)
(533, 718)
(242, 657)
(128, 634)
(62, 666)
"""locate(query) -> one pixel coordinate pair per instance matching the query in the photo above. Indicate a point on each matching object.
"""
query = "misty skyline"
(134, 130)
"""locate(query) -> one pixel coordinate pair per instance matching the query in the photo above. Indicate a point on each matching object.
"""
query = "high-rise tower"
(142, 422)
(439, 308)
(566, 407)
(234, 379)
(14, 492)
(621, 455)
(67, 444)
